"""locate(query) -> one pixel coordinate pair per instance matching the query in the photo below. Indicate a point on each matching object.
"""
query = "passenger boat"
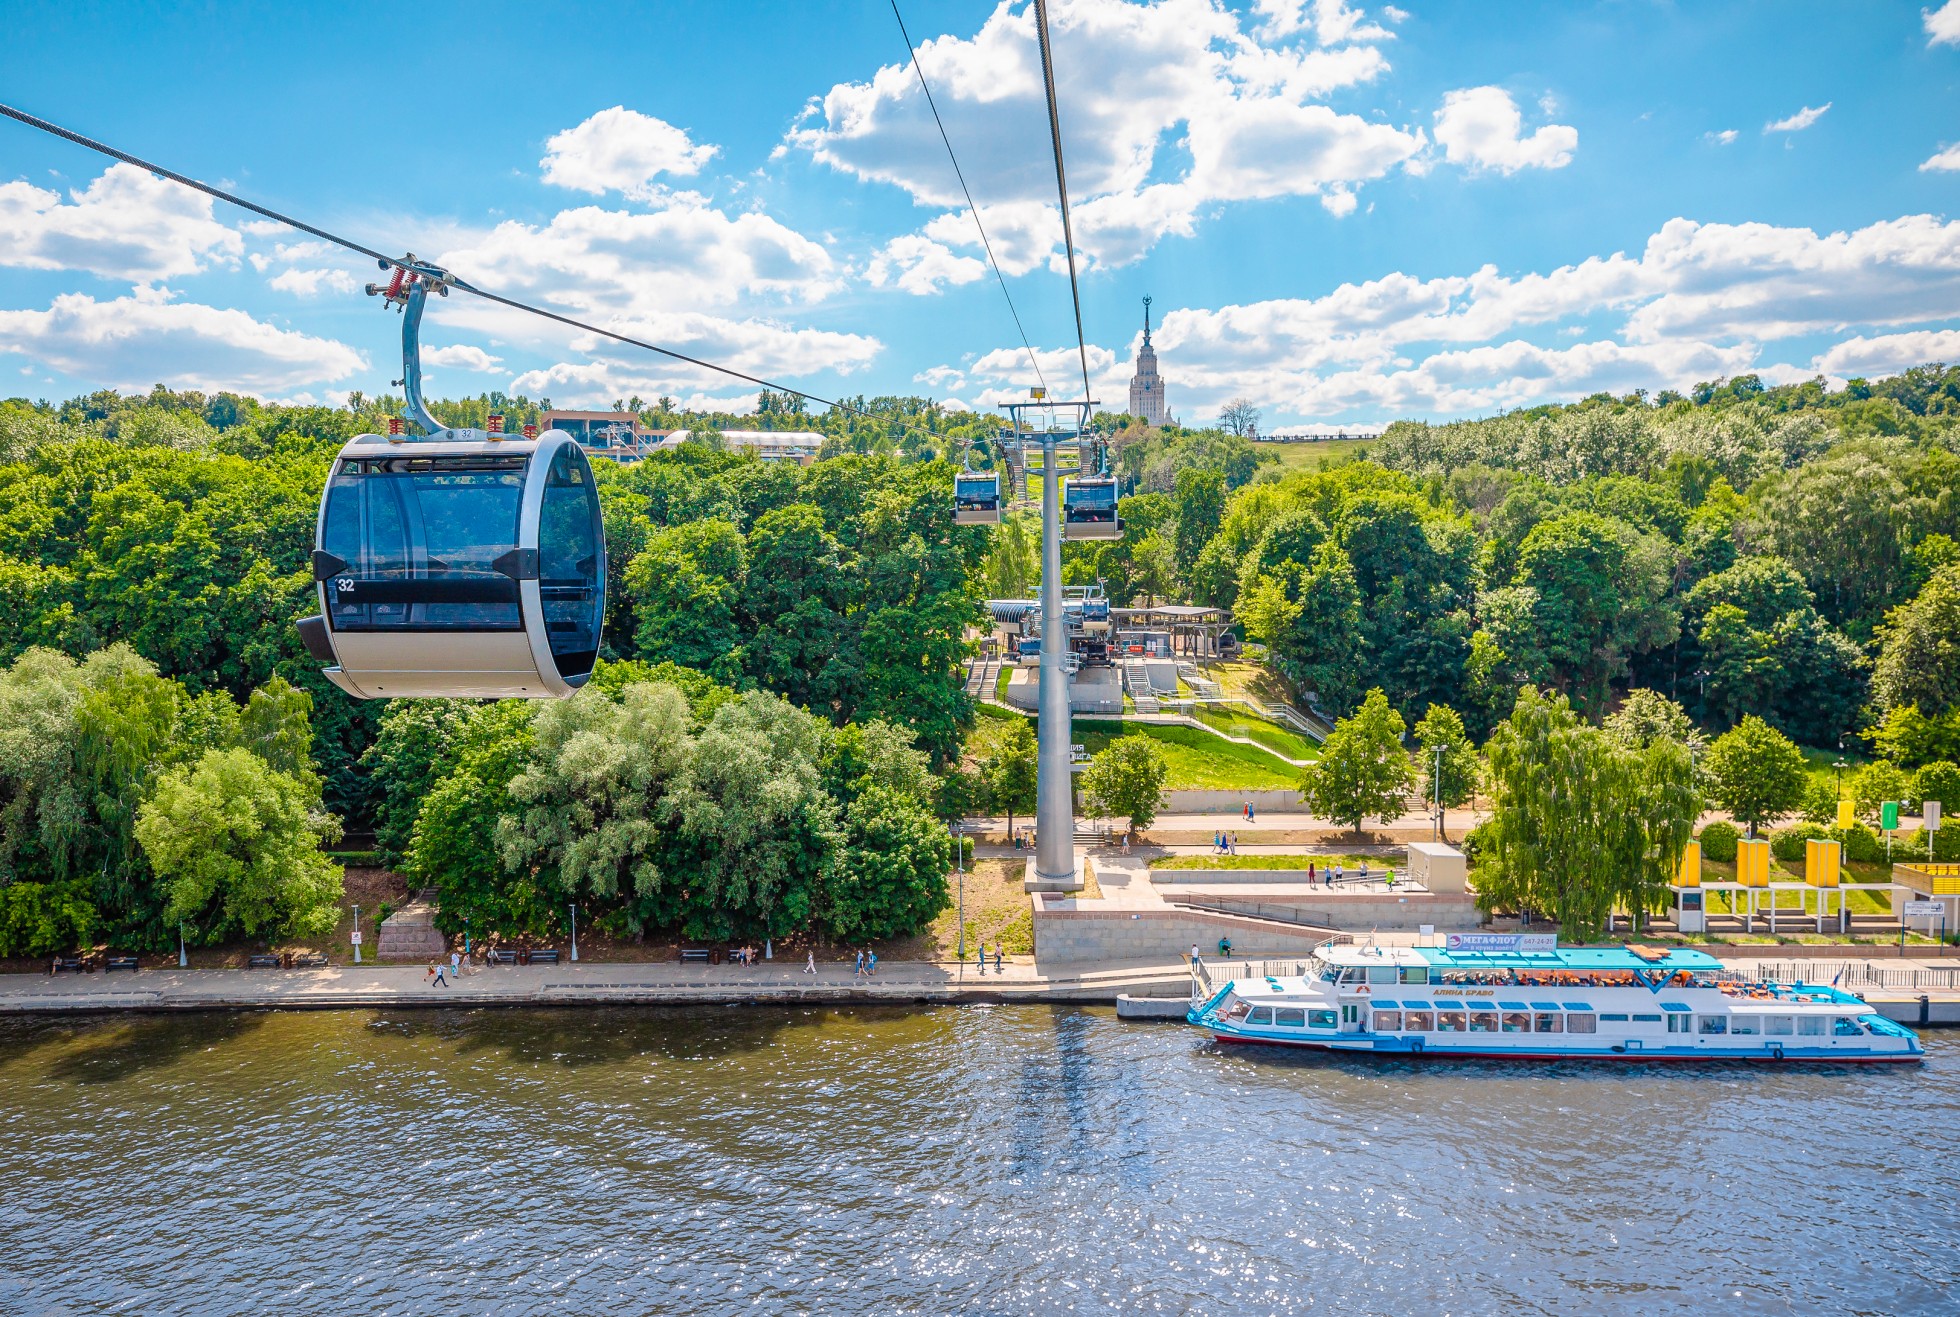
(1522, 996)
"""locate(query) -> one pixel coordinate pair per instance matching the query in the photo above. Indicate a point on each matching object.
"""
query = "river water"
(1000, 1159)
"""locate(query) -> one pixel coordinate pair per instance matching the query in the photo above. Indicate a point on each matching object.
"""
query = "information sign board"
(1524, 943)
(1922, 909)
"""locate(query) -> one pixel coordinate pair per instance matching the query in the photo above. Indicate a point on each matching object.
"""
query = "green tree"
(1646, 717)
(453, 845)
(1010, 766)
(1013, 562)
(1919, 649)
(1200, 498)
(1126, 780)
(1873, 784)
(687, 589)
(417, 744)
(1441, 729)
(1939, 781)
(1363, 771)
(890, 877)
(237, 845)
(1756, 772)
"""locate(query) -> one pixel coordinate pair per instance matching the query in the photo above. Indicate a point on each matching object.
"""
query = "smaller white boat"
(1522, 996)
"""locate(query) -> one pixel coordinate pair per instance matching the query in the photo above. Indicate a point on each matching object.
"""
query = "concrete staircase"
(410, 933)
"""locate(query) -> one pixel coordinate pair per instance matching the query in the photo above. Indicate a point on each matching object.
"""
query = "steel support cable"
(103, 148)
(972, 209)
(1061, 184)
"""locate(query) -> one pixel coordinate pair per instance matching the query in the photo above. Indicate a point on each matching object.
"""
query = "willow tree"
(1581, 823)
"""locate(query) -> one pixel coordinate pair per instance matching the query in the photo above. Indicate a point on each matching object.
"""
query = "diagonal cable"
(971, 209)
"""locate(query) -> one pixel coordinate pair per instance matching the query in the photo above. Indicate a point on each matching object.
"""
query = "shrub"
(38, 919)
(1939, 780)
(1820, 804)
(1718, 842)
(1861, 845)
(1787, 844)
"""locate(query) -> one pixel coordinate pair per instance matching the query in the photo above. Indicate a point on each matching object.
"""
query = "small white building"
(770, 445)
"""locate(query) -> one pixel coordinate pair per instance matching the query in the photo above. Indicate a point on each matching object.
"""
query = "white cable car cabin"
(976, 499)
(1089, 509)
(464, 563)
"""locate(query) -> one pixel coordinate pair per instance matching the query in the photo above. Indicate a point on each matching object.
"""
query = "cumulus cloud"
(1480, 127)
(756, 347)
(916, 264)
(127, 224)
(1887, 354)
(1799, 121)
(621, 150)
(311, 283)
(1942, 24)
(1698, 301)
(1724, 137)
(462, 356)
(1238, 101)
(136, 341)
(1946, 159)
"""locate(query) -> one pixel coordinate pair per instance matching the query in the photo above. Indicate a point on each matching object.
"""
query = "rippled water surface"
(1001, 1159)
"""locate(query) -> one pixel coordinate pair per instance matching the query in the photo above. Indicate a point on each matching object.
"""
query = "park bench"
(70, 963)
(544, 955)
(115, 963)
(262, 960)
(502, 957)
(310, 960)
(696, 955)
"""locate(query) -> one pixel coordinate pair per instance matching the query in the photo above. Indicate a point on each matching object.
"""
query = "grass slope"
(1198, 761)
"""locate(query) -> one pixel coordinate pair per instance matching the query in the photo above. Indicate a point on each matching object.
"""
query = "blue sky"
(1345, 212)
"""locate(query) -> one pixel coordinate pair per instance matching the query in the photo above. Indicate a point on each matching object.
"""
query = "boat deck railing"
(1209, 974)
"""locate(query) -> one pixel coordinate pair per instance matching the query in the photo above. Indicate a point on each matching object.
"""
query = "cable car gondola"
(976, 498)
(463, 563)
(1089, 509)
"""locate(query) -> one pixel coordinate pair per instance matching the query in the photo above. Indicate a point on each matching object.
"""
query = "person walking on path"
(997, 968)
(1194, 955)
(857, 969)
(455, 966)
(810, 965)
(983, 957)
(871, 963)
(1312, 877)
(441, 971)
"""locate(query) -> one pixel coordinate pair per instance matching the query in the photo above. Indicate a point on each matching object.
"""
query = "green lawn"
(1308, 456)
(1237, 722)
(1353, 862)
(1862, 903)
(1819, 762)
(1198, 761)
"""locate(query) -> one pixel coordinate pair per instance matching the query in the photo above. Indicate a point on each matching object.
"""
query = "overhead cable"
(1061, 184)
(349, 244)
(971, 209)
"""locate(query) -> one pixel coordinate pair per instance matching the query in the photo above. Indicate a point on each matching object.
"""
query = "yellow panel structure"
(1846, 816)
(1690, 871)
(1752, 863)
(1822, 862)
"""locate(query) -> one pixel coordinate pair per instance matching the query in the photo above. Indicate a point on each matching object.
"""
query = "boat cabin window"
(1260, 1015)
(1746, 1024)
(1387, 1021)
(1844, 1027)
(1646, 1019)
(1449, 1021)
(1419, 1022)
(1353, 975)
(1238, 1011)
(1483, 1021)
(1517, 1022)
(1613, 1017)
(1714, 1024)
(1581, 1022)
(1811, 1025)
(1320, 1019)
(1331, 974)
(1548, 1022)
(1292, 1017)
(1381, 974)
(1415, 974)
(1680, 1024)
(1779, 1024)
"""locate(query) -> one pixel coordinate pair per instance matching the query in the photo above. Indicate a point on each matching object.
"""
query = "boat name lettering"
(1527, 943)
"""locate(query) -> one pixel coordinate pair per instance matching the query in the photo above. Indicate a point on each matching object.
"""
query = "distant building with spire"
(1147, 386)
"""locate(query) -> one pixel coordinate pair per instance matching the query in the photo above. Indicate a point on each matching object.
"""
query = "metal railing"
(1318, 920)
(1209, 975)
(1858, 974)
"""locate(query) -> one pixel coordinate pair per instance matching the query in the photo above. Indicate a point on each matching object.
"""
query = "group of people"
(999, 960)
(741, 955)
(1224, 843)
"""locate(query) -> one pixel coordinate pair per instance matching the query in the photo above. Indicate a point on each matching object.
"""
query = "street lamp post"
(357, 935)
(573, 907)
(183, 955)
(959, 866)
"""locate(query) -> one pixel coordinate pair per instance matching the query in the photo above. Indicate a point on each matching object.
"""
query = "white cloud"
(311, 283)
(139, 340)
(1238, 102)
(621, 150)
(1799, 121)
(1887, 354)
(1700, 300)
(1481, 127)
(1724, 137)
(127, 224)
(462, 356)
(916, 264)
(1946, 159)
(686, 255)
(1942, 24)
(756, 347)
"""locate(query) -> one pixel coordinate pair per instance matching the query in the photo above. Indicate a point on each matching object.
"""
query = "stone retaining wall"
(1120, 935)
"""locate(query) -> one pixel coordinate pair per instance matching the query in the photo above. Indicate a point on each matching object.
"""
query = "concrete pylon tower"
(1146, 386)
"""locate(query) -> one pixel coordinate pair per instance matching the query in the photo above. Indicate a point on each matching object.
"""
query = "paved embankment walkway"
(583, 984)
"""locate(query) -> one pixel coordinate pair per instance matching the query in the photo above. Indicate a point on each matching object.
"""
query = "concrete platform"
(1092, 690)
(1151, 1008)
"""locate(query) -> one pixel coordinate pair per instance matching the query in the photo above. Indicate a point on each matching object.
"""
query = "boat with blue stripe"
(1523, 997)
